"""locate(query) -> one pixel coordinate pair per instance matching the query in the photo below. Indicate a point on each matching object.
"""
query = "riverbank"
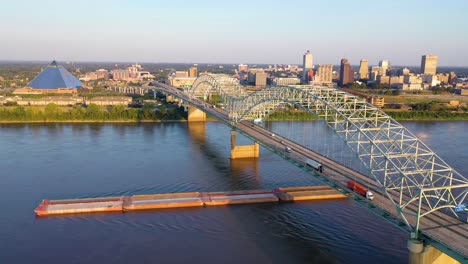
(10, 115)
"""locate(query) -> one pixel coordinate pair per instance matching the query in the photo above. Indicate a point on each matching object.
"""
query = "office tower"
(374, 72)
(260, 79)
(385, 67)
(364, 69)
(307, 65)
(193, 72)
(346, 73)
(325, 73)
(429, 64)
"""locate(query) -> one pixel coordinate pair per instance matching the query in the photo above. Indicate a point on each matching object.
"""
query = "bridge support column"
(196, 115)
(427, 254)
(246, 151)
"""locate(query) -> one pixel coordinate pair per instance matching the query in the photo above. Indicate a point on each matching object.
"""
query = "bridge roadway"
(442, 231)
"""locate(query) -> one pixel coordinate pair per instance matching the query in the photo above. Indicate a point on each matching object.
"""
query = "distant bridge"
(415, 188)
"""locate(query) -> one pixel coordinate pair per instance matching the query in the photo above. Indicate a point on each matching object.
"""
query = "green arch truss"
(407, 170)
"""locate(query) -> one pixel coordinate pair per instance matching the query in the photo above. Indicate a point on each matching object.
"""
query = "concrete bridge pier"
(246, 151)
(196, 115)
(419, 253)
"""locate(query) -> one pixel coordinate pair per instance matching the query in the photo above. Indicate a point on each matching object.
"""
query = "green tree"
(93, 112)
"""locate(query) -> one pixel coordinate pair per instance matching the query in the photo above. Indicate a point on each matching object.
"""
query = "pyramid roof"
(54, 76)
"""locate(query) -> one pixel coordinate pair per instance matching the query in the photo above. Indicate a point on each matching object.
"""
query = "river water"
(58, 161)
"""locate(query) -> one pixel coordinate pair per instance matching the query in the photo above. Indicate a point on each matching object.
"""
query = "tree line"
(92, 112)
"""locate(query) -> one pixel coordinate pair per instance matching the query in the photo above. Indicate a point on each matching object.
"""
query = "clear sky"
(218, 31)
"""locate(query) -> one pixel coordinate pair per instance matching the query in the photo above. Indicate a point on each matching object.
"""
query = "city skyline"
(233, 33)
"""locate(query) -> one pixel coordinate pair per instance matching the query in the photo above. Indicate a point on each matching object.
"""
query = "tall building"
(193, 72)
(260, 79)
(325, 73)
(346, 73)
(429, 64)
(307, 64)
(364, 69)
(385, 67)
(375, 70)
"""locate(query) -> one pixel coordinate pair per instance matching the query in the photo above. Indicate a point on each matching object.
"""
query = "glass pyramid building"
(54, 76)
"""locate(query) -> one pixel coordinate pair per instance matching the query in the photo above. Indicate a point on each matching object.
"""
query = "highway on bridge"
(439, 229)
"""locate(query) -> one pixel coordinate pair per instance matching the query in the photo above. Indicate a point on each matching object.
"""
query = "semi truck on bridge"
(314, 164)
(361, 190)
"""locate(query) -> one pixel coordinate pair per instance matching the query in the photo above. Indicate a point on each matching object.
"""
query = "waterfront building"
(307, 64)
(364, 69)
(53, 79)
(429, 64)
(54, 76)
(346, 73)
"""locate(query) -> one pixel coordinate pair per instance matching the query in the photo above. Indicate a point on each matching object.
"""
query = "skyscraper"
(193, 72)
(364, 69)
(346, 73)
(429, 64)
(385, 65)
(307, 65)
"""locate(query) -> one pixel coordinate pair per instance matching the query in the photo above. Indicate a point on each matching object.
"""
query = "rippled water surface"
(58, 161)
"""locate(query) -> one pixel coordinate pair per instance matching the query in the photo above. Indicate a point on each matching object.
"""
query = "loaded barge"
(187, 199)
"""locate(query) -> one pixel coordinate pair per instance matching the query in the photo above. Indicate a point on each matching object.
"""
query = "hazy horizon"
(215, 32)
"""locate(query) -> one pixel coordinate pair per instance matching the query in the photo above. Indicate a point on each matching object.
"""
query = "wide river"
(58, 161)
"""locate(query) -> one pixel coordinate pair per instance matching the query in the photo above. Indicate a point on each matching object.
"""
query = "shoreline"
(181, 121)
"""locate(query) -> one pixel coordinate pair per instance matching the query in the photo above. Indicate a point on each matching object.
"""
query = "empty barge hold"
(86, 205)
(239, 197)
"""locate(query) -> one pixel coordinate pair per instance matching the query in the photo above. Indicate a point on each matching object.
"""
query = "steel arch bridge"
(226, 87)
(408, 172)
